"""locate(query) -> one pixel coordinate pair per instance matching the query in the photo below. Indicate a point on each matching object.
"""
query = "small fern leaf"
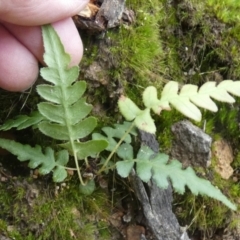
(53, 75)
(144, 169)
(150, 165)
(113, 134)
(128, 108)
(124, 167)
(52, 112)
(216, 92)
(86, 149)
(22, 121)
(88, 188)
(184, 106)
(62, 157)
(195, 184)
(55, 131)
(170, 91)
(111, 141)
(55, 112)
(161, 171)
(62, 132)
(125, 151)
(230, 86)
(200, 100)
(190, 97)
(90, 148)
(59, 174)
(56, 59)
(150, 99)
(46, 161)
(54, 94)
(117, 132)
(145, 122)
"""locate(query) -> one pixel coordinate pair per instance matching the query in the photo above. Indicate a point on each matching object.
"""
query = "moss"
(205, 214)
(236, 163)
(227, 11)
(53, 217)
(200, 213)
(164, 123)
(138, 47)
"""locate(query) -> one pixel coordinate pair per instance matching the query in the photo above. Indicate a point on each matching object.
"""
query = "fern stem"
(86, 162)
(67, 123)
(103, 168)
(78, 169)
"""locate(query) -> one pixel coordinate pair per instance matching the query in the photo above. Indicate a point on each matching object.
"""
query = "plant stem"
(68, 168)
(116, 148)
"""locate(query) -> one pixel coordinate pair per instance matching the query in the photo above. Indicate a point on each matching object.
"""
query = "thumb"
(35, 12)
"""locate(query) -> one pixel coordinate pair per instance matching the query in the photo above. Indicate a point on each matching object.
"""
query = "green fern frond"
(189, 97)
(150, 165)
(119, 141)
(112, 135)
(66, 109)
(187, 100)
(22, 121)
(46, 162)
(64, 115)
(142, 118)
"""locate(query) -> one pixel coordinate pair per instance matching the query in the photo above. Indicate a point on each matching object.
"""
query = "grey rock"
(191, 145)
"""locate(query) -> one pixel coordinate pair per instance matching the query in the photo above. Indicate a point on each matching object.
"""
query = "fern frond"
(150, 165)
(142, 118)
(187, 100)
(119, 141)
(22, 121)
(46, 162)
(66, 110)
(112, 135)
(63, 116)
(189, 97)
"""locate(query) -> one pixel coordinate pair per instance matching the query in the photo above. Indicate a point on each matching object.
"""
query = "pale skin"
(21, 46)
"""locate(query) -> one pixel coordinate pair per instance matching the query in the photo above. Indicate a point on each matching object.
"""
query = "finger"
(35, 12)
(31, 38)
(18, 67)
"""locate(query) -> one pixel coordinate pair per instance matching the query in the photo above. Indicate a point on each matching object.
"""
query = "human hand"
(21, 46)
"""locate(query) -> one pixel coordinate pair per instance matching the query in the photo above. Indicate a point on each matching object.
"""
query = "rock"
(156, 202)
(223, 154)
(97, 73)
(191, 145)
(100, 17)
(135, 232)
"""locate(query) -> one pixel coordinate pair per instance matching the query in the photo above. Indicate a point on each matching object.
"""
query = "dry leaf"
(89, 11)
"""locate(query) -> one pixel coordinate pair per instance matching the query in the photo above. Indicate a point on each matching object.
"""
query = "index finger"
(35, 12)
